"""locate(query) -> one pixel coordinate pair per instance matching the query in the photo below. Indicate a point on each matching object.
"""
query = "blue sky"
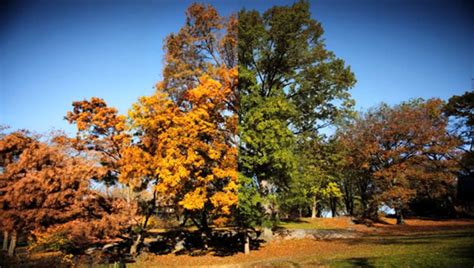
(55, 52)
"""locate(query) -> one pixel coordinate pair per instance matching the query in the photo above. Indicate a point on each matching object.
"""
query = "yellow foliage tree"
(188, 155)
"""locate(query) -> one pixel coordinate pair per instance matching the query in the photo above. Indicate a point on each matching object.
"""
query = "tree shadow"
(410, 239)
(294, 220)
(464, 252)
(359, 262)
(220, 243)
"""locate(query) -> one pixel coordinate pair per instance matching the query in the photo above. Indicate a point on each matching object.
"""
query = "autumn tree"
(199, 87)
(58, 191)
(100, 134)
(206, 43)
(184, 146)
(404, 151)
(187, 156)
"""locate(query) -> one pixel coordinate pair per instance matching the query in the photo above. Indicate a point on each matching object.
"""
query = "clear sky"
(53, 52)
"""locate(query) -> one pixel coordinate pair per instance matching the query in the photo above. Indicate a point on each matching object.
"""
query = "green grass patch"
(440, 249)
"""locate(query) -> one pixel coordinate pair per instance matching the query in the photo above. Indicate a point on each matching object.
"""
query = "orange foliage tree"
(187, 155)
(179, 143)
(404, 151)
(100, 134)
(185, 134)
(205, 44)
(42, 186)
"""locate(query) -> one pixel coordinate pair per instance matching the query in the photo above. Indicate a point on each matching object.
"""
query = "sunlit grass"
(440, 249)
(318, 223)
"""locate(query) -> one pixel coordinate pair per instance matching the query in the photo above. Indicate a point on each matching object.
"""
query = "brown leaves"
(206, 43)
(101, 134)
(42, 185)
(403, 148)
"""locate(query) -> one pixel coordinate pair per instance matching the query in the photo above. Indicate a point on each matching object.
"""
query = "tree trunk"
(363, 202)
(313, 208)
(205, 231)
(399, 215)
(300, 212)
(205, 240)
(141, 236)
(11, 249)
(5, 241)
(349, 206)
(129, 194)
(185, 219)
(399, 211)
(204, 224)
(334, 207)
(246, 242)
(319, 210)
(136, 244)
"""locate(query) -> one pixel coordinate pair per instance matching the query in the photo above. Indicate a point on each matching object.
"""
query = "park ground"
(418, 243)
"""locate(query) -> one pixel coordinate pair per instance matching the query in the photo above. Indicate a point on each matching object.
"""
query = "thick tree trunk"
(205, 230)
(364, 201)
(399, 215)
(107, 190)
(319, 210)
(5, 240)
(349, 206)
(129, 195)
(364, 205)
(313, 208)
(334, 207)
(184, 220)
(399, 211)
(205, 240)
(11, 249)
(136, 244)
(246, 242)
(141, 236)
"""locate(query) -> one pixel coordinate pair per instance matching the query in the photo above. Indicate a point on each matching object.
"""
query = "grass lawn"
(441, 249)
(317, 224)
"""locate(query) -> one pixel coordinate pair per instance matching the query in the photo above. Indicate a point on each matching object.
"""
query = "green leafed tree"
(461, 110)
(290, 87)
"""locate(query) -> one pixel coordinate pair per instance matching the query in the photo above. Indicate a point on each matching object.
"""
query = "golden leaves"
(194, 200)
(184, 150)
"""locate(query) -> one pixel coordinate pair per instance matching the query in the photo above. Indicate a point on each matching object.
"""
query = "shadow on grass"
(466, 252)
(220, 243)
(358, 262)
(435, 249)
(296, 220)
(415, 238)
